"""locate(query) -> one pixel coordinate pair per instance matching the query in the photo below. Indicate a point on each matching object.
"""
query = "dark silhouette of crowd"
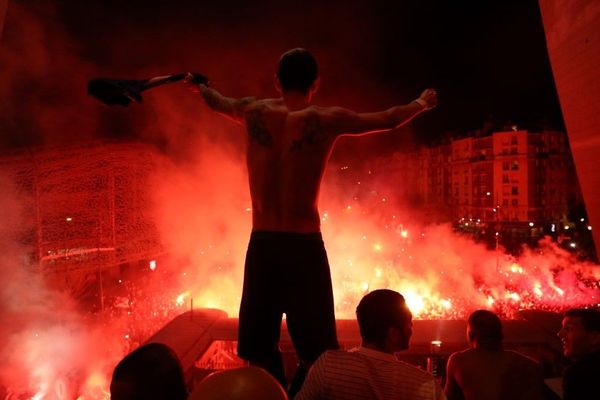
(483, 371)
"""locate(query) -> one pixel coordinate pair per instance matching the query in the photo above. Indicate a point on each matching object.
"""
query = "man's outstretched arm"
(340, 121)
(228, 106)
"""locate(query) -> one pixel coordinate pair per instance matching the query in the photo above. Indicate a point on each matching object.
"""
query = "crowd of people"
(483, 371)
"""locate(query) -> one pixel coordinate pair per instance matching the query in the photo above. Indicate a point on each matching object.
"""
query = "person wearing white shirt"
(372, 371)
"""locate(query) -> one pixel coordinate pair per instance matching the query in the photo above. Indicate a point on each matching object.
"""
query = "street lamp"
(496, 210)
(497, 234)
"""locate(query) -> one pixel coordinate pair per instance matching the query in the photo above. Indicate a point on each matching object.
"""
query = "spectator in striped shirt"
(486, 370)
(372, 371)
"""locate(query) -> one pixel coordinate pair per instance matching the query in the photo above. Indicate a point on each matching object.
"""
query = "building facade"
(85, 210)
(514, 177)
(511, 179)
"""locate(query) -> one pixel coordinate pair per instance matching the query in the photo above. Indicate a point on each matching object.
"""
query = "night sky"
(487, 59)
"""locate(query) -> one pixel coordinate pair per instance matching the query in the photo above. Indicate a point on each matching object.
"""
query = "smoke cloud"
(198, 188)
(43, 334)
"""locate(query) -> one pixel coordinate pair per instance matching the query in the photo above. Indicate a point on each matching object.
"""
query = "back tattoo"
(255, 122)
(311, 134)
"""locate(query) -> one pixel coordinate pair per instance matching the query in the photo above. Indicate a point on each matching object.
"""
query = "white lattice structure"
(87, 208)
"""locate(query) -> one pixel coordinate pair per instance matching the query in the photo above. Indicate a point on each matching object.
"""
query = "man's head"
(298, 72)
(484, 330)
(151, 372)
(580, 332)
(245, 383)
(384, 320)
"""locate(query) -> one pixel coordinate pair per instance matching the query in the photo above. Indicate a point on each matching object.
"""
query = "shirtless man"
(486, 371)
(286, 269)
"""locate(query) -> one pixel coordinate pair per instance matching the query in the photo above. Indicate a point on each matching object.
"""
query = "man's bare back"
(288, 151)
(492, 375)
(289, 143)
(286, 156)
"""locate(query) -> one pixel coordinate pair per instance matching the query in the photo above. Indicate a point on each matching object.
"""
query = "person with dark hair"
(580, 335)
(372, 371)
(378, 312)
(485, 328)
(486, 370)
(245, 383)
(297, 71)
(150, 372)
(286, 268)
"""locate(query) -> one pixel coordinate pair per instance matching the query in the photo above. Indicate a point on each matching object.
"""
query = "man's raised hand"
(194, 80)
(428, 99)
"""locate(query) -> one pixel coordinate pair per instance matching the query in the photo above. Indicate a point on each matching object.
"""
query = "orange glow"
(95, 387)
(516, 268)
(559, 291)
(180, 300)
(414, 301)
(370, 243)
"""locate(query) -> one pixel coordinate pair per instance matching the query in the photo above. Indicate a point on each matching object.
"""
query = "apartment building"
(514, 176)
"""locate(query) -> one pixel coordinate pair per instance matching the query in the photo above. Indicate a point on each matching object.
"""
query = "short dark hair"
(486, 329)
(297, 70)
(379, 311)
(151, 372)
(590, 318)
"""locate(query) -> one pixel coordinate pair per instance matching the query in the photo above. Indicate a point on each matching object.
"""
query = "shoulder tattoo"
(255, 122)
(312, 133)
(241, 104)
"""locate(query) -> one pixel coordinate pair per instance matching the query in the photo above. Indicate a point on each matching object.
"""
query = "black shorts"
(286, 272)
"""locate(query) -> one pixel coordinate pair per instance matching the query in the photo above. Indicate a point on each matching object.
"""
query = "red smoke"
(199, 191)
